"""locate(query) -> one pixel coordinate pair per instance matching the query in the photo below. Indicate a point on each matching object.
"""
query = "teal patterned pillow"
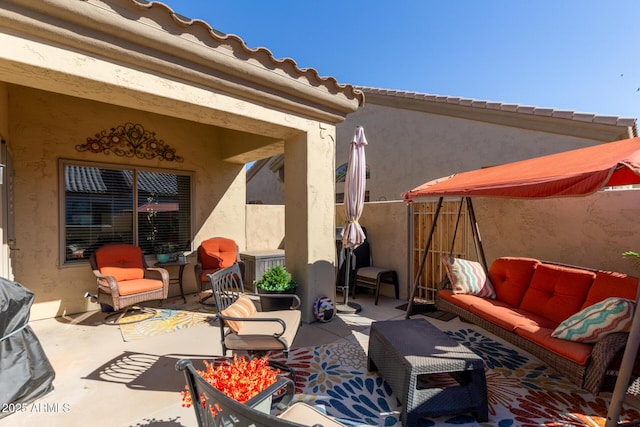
(594, 322)
(468, 277)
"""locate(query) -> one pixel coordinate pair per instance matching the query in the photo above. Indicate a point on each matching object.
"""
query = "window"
(106, 203)
(341, 172)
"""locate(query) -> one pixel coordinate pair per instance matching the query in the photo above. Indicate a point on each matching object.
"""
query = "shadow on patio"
(112, 382)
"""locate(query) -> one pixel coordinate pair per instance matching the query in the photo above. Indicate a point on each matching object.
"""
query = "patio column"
(310, 215)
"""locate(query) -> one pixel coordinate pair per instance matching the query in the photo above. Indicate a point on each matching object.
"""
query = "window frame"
(135, 169)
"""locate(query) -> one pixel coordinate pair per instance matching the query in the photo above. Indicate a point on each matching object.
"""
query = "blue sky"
(580, 55)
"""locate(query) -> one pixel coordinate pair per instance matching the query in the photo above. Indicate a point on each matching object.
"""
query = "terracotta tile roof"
(86, 179)
(199, 28)
(513, 108)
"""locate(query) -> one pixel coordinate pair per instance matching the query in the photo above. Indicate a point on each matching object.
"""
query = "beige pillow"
(243, 307)
(468, 277)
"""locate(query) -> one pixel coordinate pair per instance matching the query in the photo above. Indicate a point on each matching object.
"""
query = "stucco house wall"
(591, 231)
(62, 122)
(268, 189)
(265, 228)
(413, 139)
(70, 70)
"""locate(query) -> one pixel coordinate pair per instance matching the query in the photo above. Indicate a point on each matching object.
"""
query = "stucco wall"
(386, 224)
(266, 188)
(45, 127)
(265, 227)
(590, 231)
(408, 148)
(4, 111)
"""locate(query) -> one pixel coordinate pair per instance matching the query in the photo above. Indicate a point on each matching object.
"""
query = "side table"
(405, 350)
(178, 280)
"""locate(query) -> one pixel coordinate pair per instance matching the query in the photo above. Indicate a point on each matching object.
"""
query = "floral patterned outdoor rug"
(165, 321)
(522, 391)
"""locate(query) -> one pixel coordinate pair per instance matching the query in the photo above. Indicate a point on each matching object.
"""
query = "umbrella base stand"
(349, 308)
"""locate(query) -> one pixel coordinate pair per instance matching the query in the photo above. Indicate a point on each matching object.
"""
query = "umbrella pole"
(626, 370)
(346, 306)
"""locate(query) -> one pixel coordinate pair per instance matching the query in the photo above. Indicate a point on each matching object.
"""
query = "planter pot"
(273, 304)
(162, 258)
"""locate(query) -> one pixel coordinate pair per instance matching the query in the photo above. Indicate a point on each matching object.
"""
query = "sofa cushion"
(557, 292)
(243, 307)
(468, 277)
(461, 300)
(596, 321)
(576, 351)
(609, 284)
(505, 316)
(510, 277)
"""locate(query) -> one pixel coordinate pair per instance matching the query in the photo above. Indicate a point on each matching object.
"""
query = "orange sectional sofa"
(532, 298)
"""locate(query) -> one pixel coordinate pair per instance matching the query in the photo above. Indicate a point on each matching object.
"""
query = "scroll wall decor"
(130, 140)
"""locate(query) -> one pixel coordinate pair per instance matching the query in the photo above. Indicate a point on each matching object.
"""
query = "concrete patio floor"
(101, 380)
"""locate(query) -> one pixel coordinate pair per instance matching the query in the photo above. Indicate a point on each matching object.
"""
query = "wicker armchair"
(212, 255)
(124, 279)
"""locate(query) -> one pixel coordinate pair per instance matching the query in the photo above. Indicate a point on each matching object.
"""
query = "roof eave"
(152, 37)
(582, 125)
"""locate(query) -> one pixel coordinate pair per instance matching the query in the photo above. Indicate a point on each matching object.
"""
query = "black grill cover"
(25, 371)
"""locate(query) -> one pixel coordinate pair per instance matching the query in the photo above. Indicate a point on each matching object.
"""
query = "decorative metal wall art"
(130, 140)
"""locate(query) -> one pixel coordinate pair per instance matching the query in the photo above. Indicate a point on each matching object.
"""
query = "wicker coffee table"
(404, 350)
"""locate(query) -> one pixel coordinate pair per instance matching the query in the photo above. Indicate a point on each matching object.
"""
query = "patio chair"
(364, 273)
(230, 412)
(242, 327)
(212, 255)
(124, 279)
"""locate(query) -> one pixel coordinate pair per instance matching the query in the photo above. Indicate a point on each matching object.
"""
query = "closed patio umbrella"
(352, 234)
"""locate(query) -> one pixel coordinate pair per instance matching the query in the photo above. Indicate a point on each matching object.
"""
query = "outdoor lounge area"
(113, 376)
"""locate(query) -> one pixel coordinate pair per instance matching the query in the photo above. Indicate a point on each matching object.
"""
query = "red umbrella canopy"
(571, 173)
(354, 186)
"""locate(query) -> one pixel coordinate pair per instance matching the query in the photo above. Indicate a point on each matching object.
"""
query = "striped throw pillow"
(468, 277)
(594, 322)
(243, 307)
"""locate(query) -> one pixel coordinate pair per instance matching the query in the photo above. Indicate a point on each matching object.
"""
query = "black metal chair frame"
(230, 412)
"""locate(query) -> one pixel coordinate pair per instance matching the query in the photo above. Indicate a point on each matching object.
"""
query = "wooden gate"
(422, 215)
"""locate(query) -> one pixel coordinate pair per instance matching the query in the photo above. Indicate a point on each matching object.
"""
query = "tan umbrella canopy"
(355, 181)
(354, 190)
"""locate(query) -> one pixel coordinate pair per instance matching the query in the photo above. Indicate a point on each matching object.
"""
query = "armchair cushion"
(594, 322)
(123, 262)
(138, 286)
(243, 307)
(218, 253)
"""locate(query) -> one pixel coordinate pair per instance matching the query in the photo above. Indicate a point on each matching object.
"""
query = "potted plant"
(240, 379)
(164, 252)
(276, 280)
